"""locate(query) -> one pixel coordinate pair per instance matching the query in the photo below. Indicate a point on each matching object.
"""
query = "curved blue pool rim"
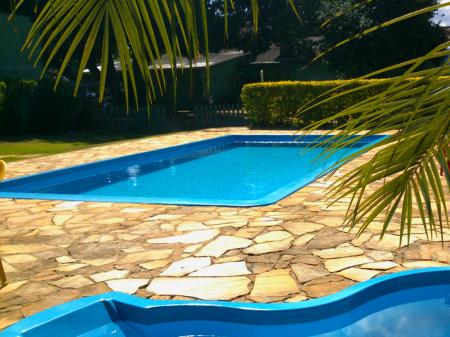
(310, 310)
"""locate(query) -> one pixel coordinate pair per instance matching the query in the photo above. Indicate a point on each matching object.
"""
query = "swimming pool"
(412, 303)
(235, 170)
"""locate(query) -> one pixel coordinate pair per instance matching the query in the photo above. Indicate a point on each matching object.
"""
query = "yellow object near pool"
(2, 169)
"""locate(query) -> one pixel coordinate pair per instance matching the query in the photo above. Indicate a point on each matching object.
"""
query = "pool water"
(243, 170)
(248, 170)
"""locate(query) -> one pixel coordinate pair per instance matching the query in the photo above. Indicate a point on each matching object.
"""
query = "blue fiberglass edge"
(79, 317)
(13, 188)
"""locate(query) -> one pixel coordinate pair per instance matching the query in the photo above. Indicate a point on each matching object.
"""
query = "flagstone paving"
(293, 250)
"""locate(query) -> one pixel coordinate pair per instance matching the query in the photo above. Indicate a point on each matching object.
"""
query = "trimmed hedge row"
(276, 103)
(29, 106)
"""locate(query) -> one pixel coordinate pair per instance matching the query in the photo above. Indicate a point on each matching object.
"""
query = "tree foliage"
(384, 47)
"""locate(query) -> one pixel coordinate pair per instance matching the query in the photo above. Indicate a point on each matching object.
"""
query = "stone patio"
(294, 250)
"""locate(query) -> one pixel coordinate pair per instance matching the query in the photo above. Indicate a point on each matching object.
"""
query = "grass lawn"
(22, 147)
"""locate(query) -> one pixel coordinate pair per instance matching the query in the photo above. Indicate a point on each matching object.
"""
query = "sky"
(443, 15)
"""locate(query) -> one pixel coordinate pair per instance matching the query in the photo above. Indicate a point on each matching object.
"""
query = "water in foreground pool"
(236, 171)
(417, 312)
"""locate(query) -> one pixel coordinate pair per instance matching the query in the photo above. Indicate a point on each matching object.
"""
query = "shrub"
(28, 106)
(276, 103)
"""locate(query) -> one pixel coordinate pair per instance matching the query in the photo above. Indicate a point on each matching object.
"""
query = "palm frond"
(402, 180)
(133, 34)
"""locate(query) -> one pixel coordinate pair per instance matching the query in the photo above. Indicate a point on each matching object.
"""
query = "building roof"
(200, 62)
(269, 56)
(214, 58)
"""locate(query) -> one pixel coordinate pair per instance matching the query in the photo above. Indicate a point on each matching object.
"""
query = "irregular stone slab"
(417, 252)
(105, 238)
(32, 288)
(306, 259)
(66, 205)
(167, 227)
(329, 239)
(357, 274)
(297, 298)
(193, 248)
(10, 287)
(128, 286)
(109, 275)
(74, 282)
(59, 220)
(9, 318)
(233, 222)
(304, 239)
(379, 255)
(423, 264)
(306, 272)
(99, 262)
(186, 266)
(300, 228)
(259, 268)
(273, 236)
(441, 255)
(99, 205)
(273, 285)
(192, 237)
(264, 258)
(332, 253)
(249, 232)
(389, 242)
(147, 256)
(223, 269)
(165, 217)
(331, 221)
(135, 249)
(24, 248)
(71, 267)
(65, 259)
(361, 239)
(223, 244)
(326, 285)
(155, 264)
(19, 258)
(59, 297)
(127, 237)
(110, 221)
(269, 247)
(265, 223)
(132, 210)
(205, 288)
(381, 265)
(191, 226)
(334, 265)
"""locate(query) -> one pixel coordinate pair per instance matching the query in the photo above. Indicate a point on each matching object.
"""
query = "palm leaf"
(403, 174)
(136, 31)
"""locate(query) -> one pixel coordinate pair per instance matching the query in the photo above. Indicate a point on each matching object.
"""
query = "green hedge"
(29, 106)
(276, 103)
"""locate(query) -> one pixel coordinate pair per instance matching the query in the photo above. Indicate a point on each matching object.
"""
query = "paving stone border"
(294, 250)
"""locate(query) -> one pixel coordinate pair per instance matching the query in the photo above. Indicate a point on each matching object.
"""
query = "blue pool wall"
(81, 316)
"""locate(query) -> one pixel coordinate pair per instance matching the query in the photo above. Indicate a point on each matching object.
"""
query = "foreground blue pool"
(232, 170)
(413, 304)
